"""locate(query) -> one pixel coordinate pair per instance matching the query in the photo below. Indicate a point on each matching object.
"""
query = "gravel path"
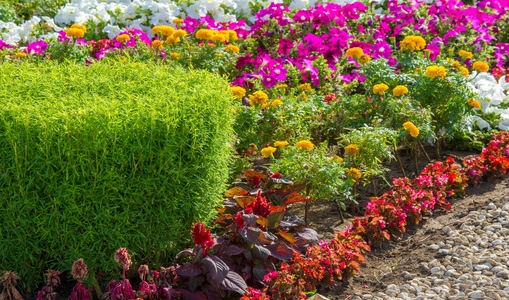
(473, 261)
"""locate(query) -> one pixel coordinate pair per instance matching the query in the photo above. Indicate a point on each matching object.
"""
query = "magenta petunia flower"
(285, 45)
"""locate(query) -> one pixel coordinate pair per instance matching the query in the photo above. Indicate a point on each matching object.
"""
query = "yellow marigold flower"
(281, 144)
(337, 159)
(465, 54)
(258, 97)
(84, 28)
(179, 33)
(380, 88)
(474, 103)
(267, 152)
(352, 149)
(21, 54)
(412, 43)
(399, 90)
(163, 30)
(219, 38)
(275, 102)
(436, 71)
(305, 87)
(480, 66)
(411, 128)
(282, 86)
(238, 92)
(225, 34)
(304, 96)
(354, 52)
(364, 59)
(177, 21)
(464, 71)
(157, 44)
(456, 64)
(354, 173)
(232, 49)
(233, 35)
(305, 144)
(175, 55)
(75, 33)
(218, 54)
(204, 34)
(253, 147)
(172, 40)
(211, 45)
(123, 38)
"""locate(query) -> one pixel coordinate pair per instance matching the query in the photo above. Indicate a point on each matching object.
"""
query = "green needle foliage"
(107, 156)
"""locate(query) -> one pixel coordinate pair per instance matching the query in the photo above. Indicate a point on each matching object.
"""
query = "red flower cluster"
(386, 216)
(202, 237)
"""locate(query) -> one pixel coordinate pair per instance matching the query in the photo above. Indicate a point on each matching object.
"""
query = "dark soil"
(384, 265)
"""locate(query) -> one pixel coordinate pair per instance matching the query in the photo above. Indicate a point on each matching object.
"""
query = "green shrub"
(107, 156)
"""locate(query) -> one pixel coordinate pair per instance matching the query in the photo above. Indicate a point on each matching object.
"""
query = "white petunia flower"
(196, 10)
(112, 30)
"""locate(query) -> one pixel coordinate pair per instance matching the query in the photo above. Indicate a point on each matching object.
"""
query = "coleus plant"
(255, 236)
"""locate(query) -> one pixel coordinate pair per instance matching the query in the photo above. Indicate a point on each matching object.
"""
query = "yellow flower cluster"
(364, 59)
(258, 97)
(464, 71)
(352, 149)
(175, 55)
(480, 66)
(123, 38)
(281, 144)
(305, 87)
(172, 40)
(354, 173)
(282, 86)
(177, 21)
(336, 158)
(354, 52)
(411, 128)
(157, 44)
(412, 43)
(238, 92)
(75, 33)
(81, 27)
(21, 55)
(474, 103)
(436, 71)
(380, 88)
(163, 30)
(253, 147)
(217, 36)
(305, 144)
(465, 54)
(275, 102)
(267, 152)
(456, 64)
(179, 33)
(232, 49)
(399, 90)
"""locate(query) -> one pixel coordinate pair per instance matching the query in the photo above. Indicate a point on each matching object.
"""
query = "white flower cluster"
(145, 13)
(13, 34)
(491, 93)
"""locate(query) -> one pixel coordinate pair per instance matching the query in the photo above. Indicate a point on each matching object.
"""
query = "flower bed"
(327, 94)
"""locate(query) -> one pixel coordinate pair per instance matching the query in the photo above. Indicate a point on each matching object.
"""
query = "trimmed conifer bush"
(107, 156)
